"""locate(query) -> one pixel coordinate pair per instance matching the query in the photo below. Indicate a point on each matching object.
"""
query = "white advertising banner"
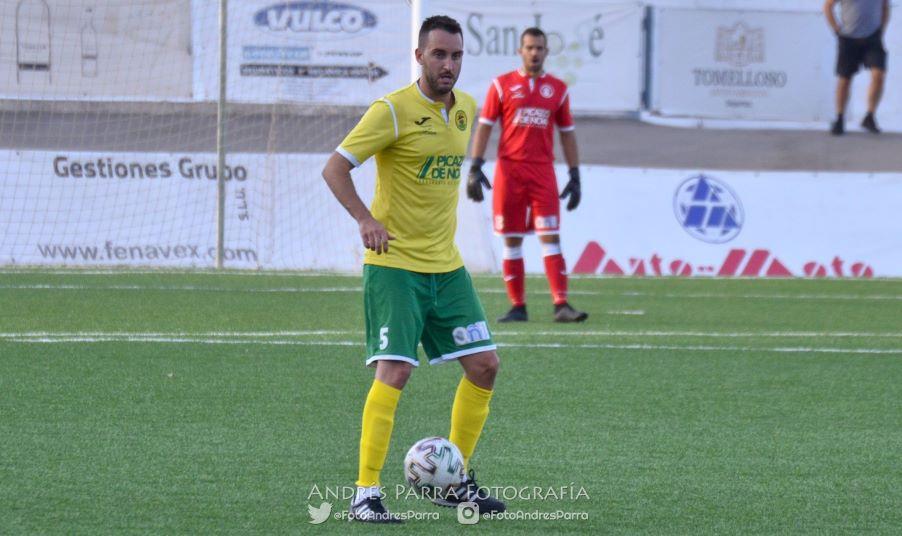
(84, 49)
(159, 209)
(648, 222)
(595, 47)
(139, 209)
(343, 53)
(742, 65)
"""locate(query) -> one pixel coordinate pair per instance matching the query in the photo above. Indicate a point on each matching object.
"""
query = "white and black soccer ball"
(434, 463)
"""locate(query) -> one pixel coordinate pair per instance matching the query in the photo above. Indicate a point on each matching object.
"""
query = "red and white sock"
(556, 272)
(514, 275)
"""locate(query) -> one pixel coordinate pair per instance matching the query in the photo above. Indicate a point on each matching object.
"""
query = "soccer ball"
(434, 464)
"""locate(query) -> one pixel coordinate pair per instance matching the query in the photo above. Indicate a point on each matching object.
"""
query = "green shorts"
(405, 308)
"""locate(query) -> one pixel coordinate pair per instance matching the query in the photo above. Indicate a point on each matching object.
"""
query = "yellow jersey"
(419, 147)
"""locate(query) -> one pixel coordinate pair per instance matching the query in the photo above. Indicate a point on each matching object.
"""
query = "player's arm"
(885, 16)
(568, 144)
(566, 127)
(831, 16)
(337, 174)
(491, 110)
(480, 141)
(476, 179)
(377, 129)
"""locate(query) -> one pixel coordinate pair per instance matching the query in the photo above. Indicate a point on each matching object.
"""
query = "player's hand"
(476, 179)
(374, 235)
(573, 189)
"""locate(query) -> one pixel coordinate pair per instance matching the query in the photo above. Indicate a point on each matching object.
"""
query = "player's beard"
(433, 83)
(534, 68)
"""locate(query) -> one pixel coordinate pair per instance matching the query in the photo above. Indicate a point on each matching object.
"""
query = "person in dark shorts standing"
(860, 34)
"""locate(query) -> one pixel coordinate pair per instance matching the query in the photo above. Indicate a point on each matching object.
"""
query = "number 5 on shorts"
(383, 338)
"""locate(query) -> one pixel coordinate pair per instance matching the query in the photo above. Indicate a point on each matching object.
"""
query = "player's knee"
(551, 248)
(483, 367)
(393, 373)
(513, 241)
(512, 253)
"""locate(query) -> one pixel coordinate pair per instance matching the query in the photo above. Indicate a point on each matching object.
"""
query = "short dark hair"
(535, 32)
(438, 22)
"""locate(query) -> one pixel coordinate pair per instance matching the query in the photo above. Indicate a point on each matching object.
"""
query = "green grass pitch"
(199, 403)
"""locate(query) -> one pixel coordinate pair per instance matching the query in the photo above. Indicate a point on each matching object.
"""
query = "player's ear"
(418, 54)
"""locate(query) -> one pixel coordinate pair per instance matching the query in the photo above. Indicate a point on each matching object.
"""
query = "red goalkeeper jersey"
(528, 108)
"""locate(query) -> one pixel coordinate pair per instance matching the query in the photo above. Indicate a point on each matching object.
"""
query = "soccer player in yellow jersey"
(416, 289)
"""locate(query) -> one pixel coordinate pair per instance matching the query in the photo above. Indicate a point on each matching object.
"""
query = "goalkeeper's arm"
(476, 179)
(573, 189)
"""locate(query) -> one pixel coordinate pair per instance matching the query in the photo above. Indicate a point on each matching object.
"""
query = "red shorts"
(525, 198)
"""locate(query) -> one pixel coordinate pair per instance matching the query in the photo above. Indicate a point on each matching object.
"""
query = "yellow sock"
(468, 415)
(375, 433)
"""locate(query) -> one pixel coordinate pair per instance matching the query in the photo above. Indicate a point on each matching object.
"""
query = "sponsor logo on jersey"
(546, 222)
(532, 117)
(516, 91)
(438, 167)
(470, 334)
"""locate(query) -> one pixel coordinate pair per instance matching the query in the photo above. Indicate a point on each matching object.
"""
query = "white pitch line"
(712, 334)
(637, 312)
(271, 342)
(189, 340)
(340, 289)
(500, 333)
(708, 348)
(182, 288)
(711, 295)
(244, 272)
(173, 271)
(244, 334)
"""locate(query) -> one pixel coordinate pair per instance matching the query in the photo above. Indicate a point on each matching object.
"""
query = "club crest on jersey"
(460, 119)
(546, 91)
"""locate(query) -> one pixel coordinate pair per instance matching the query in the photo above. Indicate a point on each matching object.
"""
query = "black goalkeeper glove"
(476, 179)
(572, 189)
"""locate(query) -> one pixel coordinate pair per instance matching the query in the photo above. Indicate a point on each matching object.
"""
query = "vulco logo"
(315, 17)
(470, 334)
(708, 210)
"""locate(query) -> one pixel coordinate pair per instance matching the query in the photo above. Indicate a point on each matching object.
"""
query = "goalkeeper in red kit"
(529, 103)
